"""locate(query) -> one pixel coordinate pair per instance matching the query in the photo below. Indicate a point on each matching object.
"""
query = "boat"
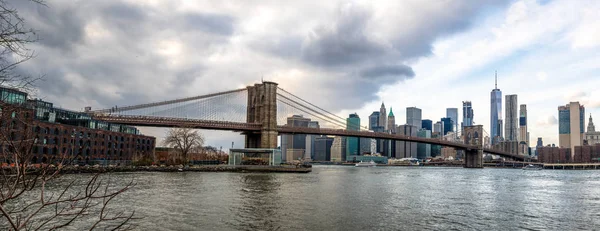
(366, 164)
(532, 167)
(414, 163)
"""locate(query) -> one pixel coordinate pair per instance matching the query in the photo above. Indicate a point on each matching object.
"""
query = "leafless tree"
(184, 140)
(26, 202)
(14, 36)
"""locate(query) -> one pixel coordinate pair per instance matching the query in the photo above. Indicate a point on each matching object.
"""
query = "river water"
(380, 198)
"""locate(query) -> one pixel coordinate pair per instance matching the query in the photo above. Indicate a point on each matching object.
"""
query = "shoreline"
(199, 168)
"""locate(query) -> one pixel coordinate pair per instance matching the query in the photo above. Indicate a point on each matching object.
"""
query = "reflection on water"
(258, 203)
(381, 198)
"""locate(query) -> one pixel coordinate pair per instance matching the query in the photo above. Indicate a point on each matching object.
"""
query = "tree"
(26, 202)
(14, 36)
(184, 140)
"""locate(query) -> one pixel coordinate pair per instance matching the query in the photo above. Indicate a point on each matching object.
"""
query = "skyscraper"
(391, 126)
(374, 120)
(446, 125)
(293, 147)
(382, 118)
(427, 125)
(424, 150)
(413, 116)
(467, 113)
(452, 113)
(406, 149)
(523, 133)
(352, 143)
(496, 114)
(438, 127)
(338, 149)
(309, 154)
(571, 125)
(323, 148)
(511, 120)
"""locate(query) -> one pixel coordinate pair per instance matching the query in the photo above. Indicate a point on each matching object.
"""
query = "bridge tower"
(262, 108)
(473, 135)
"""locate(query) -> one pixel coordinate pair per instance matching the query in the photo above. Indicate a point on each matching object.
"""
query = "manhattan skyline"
(96, 58)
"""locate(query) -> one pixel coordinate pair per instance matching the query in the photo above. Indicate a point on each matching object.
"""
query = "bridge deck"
(254, 127)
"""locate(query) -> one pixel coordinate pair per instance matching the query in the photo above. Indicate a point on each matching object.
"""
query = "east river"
(380, 198)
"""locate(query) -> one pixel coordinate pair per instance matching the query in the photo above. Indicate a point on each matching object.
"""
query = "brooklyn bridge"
(259, 112)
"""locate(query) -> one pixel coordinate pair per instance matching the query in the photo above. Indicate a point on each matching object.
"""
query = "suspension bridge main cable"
(329, 119)
(315, 115)
(162, 103)
(309, 103)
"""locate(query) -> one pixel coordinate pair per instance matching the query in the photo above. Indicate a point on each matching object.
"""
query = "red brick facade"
(90, 146)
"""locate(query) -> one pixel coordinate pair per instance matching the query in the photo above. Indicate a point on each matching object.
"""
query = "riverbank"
(195, 168)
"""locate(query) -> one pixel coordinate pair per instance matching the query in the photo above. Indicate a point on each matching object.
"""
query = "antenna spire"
(496, 82)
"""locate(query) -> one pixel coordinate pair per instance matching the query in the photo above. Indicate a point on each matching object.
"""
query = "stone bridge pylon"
(473, 135)
(262, 109)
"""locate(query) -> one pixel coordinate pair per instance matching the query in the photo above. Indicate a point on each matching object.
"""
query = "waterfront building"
(382, 119)
(571, 125)
(391, 122)
(511, 120)
(338, 149)
(423, 150)
(447, 125)
(592, 136)
(496, 113)
(467, 114)
(448, 153)
(323, 148)
(352, 143)
(368, 158)
(427, 125)
(413, 116)
(452, 113)
(293, 147)
(59, 131)
(540, 144)
(406, 149)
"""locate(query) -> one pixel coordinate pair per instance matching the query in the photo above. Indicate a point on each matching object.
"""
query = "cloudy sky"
(346, 56)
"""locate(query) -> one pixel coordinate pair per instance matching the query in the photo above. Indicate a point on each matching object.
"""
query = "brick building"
(581, 154)
(56, 131)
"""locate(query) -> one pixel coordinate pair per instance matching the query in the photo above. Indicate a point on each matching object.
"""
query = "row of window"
(90, 135)
(87, 143)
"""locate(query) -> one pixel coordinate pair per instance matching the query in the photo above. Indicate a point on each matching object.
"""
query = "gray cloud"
(344, 42)
(214, 23)
(402, 71)
(106, 53)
